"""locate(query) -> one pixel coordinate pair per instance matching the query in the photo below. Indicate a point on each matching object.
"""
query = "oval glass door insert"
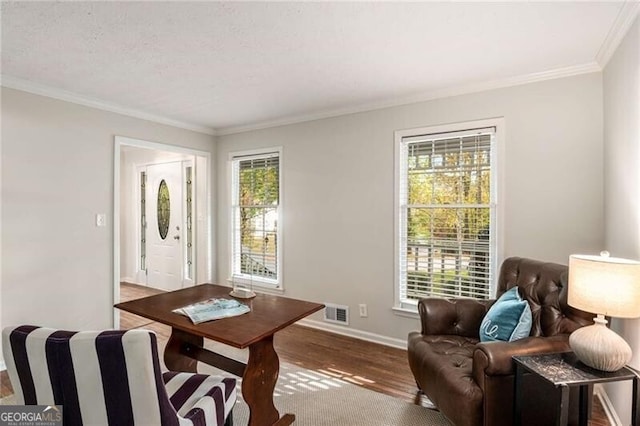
(164, 209)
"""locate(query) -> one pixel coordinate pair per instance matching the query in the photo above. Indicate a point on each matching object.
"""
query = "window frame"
(257, 281)
(409, 307)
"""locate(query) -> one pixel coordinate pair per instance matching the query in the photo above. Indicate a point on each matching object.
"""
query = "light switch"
(101, 219)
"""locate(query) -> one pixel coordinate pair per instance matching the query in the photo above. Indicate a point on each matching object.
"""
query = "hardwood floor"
(375, 367)
(370, 365)
(5, 384)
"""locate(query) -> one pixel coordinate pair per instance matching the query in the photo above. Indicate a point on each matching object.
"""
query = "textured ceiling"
(225, 65)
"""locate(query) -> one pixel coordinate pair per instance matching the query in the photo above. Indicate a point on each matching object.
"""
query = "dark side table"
(563, 370)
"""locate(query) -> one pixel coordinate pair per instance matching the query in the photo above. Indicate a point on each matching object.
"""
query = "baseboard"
(356, 334)
(3, 366)
(609, 410)
(129, 280)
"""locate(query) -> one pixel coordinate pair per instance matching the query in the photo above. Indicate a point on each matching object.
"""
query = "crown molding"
(423, 97)
(39, 89)
(51, 92)
(624, 20)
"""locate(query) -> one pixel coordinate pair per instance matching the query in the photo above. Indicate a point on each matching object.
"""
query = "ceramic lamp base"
(599, 347)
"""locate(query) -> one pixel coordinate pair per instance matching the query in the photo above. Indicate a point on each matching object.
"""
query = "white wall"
(57, 173)
(621, 87)
(2, 364)
(338, 184)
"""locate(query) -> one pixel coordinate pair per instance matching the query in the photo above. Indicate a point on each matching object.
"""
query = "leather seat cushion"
(442, 366)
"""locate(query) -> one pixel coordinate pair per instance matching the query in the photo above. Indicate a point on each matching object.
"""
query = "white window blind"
(255, 212)
(447, 215)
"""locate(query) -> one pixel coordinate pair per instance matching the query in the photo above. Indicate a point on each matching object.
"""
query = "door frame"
(208, 266)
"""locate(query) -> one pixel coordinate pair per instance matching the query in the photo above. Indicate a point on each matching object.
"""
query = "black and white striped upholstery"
(110, 378)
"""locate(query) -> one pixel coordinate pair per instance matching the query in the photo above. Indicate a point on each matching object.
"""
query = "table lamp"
(607, 286)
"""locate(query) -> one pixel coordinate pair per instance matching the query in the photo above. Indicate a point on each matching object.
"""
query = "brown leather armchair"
(470, 382)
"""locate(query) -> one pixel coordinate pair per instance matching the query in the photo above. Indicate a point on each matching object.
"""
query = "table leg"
(563, 407)
(517, 396)
(259, 382)
(584, 406)
(174, 358)
(635, 413)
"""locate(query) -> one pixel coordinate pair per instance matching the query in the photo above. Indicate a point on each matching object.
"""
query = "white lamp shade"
(605, 285)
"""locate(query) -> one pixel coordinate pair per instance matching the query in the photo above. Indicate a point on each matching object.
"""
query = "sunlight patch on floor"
(312, 381)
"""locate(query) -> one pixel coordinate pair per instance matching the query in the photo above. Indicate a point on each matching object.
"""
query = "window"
(143, 222)
(188, 176)
(256, 237)
(446, 213)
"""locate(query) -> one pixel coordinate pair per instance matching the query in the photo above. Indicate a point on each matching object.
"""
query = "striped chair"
(110, 378)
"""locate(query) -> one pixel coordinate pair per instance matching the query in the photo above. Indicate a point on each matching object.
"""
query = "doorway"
(162, 218)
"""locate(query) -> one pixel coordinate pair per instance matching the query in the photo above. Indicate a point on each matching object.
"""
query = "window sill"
(278, 291)
(405, 312)
(257, 286)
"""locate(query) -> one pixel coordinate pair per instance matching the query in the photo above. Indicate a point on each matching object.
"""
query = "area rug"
(319, 398)
(325, 398)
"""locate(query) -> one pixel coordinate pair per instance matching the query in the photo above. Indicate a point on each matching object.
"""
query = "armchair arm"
(460, 317)
(494, 358)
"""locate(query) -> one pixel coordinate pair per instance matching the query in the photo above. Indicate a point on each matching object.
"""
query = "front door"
(164, 226)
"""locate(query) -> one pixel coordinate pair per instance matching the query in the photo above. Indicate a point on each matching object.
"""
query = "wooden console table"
(254, 330)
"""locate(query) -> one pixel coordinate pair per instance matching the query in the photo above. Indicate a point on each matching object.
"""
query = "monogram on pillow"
(508, 319)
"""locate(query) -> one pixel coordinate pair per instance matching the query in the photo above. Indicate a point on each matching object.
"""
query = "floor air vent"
(336, 313)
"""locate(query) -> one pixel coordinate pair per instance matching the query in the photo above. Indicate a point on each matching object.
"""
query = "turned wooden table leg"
(259, 382)
(174, 357)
